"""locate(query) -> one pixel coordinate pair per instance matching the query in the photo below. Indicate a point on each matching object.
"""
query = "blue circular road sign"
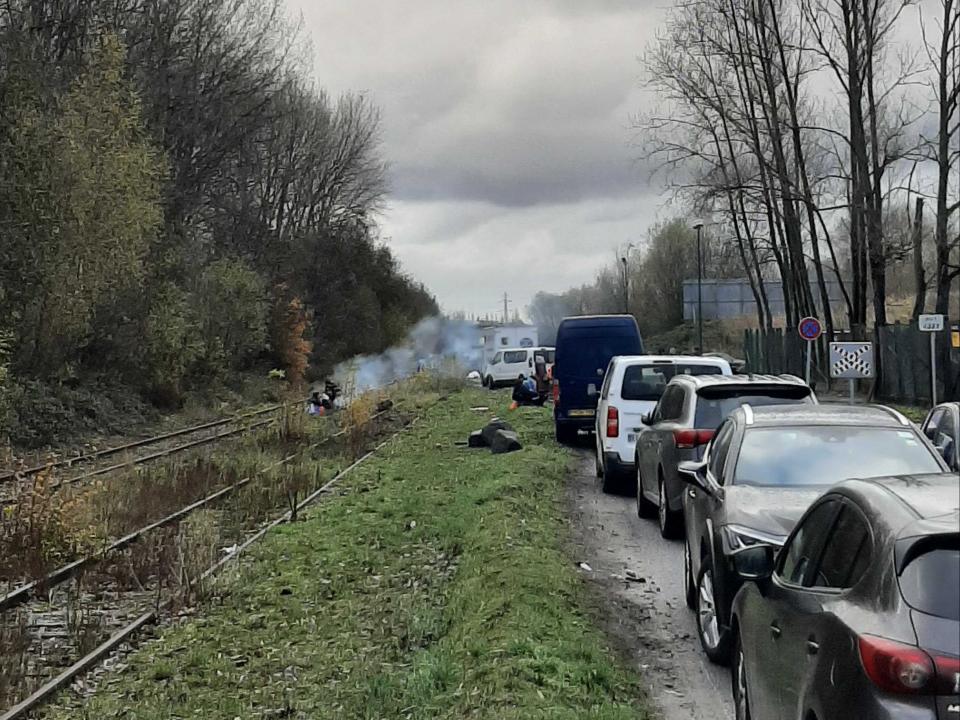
(810, 328)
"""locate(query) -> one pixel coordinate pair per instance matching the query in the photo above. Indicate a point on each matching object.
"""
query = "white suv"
(631, 388)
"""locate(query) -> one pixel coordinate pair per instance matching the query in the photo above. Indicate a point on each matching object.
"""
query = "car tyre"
(645, 508)
(738, 677)
(713, 638)
(610, 483)
(670, 522)
(689, 587)
(488, 382)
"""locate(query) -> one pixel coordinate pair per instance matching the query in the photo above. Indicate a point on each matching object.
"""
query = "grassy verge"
(435, 587)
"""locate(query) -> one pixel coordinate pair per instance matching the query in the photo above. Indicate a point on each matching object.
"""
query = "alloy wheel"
(687, 582)
(707, 611)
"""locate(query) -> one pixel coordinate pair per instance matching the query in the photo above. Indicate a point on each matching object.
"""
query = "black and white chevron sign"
(851, 360)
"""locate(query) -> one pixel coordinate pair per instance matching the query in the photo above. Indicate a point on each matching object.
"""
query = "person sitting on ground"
(315, 404)
(524, 394)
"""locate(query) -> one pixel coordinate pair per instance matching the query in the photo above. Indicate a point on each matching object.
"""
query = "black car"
(763, 469)
(860, 617)
(942, 427)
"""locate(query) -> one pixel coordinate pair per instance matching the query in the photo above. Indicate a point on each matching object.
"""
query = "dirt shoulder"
(645, 617)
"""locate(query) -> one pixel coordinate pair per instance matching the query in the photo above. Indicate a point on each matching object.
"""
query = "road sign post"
(851, 361)
(932, 324)
(810, 330)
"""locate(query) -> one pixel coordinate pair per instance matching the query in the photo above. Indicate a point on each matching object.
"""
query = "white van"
(508, 364)
(631, 389)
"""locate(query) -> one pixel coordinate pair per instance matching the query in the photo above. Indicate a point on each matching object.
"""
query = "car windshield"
(931, 582)
(515, 356)
(824, 455)
(647, 382)
(713, 408)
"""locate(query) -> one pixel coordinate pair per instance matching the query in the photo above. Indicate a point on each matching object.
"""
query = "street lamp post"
(698, 226)
(626, 288)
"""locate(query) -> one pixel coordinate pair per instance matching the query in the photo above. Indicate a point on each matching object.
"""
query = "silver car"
(684, 421)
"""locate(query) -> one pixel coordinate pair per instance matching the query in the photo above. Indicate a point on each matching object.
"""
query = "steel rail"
(24, 593)
(11, 475)
(45, 692)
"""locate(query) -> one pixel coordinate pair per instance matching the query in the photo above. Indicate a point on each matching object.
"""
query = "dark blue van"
(584, 348)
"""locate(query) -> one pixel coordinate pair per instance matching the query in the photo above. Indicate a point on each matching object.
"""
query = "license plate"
(582, 413)
(631, 438)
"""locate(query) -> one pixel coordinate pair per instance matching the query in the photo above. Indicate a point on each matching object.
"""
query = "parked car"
(942, 427)
(509, 363)
(584, 348)
(859, 615)
(681, 425)
(631, 388)
(762, 471)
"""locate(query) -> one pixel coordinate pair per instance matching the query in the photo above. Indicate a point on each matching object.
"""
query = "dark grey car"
(763, 470)
(942, 427)
(861, 615)
(682, 424)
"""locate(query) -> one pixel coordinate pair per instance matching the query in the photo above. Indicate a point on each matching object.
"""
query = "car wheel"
(738, 677)
(669, 520)
(713, 638)
(597, 461)
(645, 508)
(488, 382)
(689, 588)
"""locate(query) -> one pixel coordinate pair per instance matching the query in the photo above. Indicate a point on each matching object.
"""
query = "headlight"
(737, 538)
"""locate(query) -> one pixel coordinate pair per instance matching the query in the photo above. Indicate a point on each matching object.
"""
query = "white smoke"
(432, 344)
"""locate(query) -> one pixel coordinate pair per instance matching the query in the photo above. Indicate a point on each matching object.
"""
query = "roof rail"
(897, 415)
(748, 413)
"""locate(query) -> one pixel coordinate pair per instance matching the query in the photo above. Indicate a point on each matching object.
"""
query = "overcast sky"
(507, 126)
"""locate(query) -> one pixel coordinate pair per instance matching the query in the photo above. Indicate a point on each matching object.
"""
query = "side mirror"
(946, 451)
(756, 562)
(931, 431)
(591, 390)
(694, 473)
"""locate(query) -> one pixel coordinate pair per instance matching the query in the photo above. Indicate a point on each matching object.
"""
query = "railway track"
(142, 451)
(122, 613)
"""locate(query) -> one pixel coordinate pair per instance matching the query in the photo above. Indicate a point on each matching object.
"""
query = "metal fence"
(902, 351)
(734, 298)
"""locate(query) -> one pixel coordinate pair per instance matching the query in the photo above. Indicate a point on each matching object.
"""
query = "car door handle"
(775, 631)
(692, 493)
(813, 647)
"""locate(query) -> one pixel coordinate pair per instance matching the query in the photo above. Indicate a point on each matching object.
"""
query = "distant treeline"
(178, 201)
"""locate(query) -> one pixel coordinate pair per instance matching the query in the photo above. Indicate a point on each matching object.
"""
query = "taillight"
(613, 422)
(686, 439)
(556, 392)
(895, 667)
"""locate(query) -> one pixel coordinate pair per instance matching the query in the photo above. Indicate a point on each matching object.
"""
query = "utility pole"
(506, 315)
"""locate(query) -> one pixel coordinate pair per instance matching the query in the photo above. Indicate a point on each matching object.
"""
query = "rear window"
(515, 356)
(647, 382)
(828, 454)
(585, 354)
(712, 409)
(931, 583)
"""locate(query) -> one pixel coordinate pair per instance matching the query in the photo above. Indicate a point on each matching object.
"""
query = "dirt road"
(646, 616)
